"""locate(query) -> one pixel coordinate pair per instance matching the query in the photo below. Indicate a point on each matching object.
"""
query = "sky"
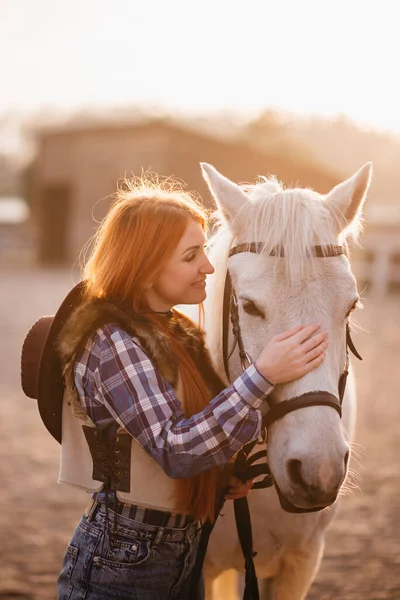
(195, 57)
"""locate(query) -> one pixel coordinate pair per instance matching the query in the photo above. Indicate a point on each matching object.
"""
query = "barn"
(76, 171)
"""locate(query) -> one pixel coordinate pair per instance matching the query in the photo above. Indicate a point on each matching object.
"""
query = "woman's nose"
(207, 267)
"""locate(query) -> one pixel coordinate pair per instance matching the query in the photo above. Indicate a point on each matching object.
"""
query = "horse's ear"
(347, 198)
(229, 197)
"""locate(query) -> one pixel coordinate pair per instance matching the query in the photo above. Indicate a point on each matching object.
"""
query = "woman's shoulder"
(92, 324)
(109, 345)
(112, 334)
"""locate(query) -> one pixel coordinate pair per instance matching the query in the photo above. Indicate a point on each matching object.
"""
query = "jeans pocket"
(70, 559)
(65, 585)
(122, 569)
(124, 554)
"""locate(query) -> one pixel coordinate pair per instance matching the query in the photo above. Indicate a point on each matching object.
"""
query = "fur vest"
(86, 455)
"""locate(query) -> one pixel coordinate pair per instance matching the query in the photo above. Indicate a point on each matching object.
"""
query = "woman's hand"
(238, 489)
(292, 354)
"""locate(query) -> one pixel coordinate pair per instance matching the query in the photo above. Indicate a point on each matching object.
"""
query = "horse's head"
(284, 285)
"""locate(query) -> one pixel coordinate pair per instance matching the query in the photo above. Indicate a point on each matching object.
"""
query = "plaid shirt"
(118, 384)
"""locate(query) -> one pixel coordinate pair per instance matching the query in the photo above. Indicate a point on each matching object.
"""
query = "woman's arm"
(140, 400)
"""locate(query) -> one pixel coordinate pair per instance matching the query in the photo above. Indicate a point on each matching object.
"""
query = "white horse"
(308, 449)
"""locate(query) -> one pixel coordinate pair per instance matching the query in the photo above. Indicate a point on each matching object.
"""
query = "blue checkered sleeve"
(116, 380)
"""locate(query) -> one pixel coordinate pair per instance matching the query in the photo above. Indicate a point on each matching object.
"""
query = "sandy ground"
(37, 517)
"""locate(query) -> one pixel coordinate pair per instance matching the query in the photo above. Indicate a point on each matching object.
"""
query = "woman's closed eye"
(190, 256)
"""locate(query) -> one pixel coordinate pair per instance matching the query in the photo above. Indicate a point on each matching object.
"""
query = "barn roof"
(287, 166)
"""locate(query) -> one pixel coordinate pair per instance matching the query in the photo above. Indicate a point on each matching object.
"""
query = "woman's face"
(182, 280)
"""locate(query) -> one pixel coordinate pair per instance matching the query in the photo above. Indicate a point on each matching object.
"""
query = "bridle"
(230, 311)
(245, 467)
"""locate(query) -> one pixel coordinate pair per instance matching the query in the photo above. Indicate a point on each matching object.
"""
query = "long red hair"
(130, 248)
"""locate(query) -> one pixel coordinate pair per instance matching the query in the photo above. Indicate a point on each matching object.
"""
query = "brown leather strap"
(350, 342)
(327, 251)
(310, 399)
(225, 322)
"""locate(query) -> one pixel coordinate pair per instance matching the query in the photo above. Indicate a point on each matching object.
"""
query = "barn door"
(54, 219)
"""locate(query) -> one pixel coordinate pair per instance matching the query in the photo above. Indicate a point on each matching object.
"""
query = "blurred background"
(96, 90)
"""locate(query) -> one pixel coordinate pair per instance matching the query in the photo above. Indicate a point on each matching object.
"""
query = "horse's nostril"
(346, 459)
(294, 472)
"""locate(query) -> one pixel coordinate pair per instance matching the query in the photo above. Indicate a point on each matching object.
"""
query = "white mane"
(294, 220)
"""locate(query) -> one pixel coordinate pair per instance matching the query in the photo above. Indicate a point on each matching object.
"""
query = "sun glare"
(308, 58)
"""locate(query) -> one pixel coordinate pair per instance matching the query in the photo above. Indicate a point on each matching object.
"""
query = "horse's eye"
(251, 309)
(353, 308)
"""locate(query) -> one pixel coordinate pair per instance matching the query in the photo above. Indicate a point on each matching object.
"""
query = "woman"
(148, 423)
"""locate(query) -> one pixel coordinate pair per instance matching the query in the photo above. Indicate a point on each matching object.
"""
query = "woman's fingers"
(305, 333)
(285, 356)
(314, 341)
(242, 487)
(238, 489)
(235, 481)
(313, 364)
(299, 334)
(315, 352)
(287, 334)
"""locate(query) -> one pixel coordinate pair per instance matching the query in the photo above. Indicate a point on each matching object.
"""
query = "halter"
(230, 310)
(245, 469)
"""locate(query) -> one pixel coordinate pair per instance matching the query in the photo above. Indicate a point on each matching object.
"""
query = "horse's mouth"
(289, 507)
